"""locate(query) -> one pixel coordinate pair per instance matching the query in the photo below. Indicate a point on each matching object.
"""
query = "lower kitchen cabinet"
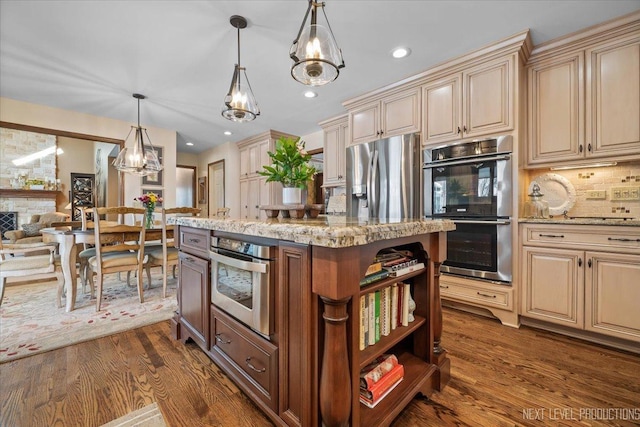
(585, 277)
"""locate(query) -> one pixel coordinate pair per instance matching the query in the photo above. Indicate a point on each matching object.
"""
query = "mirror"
(83, 159)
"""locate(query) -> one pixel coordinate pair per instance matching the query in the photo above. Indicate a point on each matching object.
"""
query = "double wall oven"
(470, 183)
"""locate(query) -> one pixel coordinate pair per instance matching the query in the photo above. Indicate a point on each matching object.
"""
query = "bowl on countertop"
(314, 210)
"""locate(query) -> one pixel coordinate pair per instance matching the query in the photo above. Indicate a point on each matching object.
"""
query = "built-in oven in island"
(242, 279)
(470, 183)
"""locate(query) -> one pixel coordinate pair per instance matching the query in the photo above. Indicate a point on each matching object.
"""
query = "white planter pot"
(291, 195)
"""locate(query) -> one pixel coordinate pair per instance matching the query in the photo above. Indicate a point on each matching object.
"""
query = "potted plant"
(289, 166)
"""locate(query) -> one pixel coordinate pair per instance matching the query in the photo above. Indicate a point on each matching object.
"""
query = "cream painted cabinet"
(556, 110)
(477, 101)
(253, 157)
(586, 277)
(585, 104)
(395, 114)
(254, 192)
(336, 133)
(613, 98)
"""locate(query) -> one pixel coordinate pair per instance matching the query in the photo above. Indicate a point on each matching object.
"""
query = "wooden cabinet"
(584, 103)
(193, 286)
(477, 101)
(82, 194)
(394, 114)
(584, 277)
(336, 134)
(254, 189)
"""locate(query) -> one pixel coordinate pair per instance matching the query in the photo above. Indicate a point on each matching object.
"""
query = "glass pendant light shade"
(317, 59)
(138, 156)
(240, 105)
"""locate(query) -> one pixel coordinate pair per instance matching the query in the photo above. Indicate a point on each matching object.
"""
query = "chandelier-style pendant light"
(139, 156)
(317, 59)
(240, 105)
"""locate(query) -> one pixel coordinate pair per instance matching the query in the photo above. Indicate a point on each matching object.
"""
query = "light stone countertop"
(328, 231)
(582, 221)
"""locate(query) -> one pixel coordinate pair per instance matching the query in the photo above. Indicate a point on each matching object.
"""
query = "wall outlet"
(625, 193)
(596, 194)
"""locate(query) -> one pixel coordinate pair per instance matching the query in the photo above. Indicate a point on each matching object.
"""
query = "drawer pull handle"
(248, 362)
(560, 236)
(194, 240)
(444, 287)
(623, 239)
(486, 295)
(189, 259)
(221, 341)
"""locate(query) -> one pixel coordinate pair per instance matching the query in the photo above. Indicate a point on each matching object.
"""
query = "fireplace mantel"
(32, 194)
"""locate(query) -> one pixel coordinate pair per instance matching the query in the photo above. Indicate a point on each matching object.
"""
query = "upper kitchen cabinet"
(336, 133)
(584, 96)
(477, 101)
(253, 156)
(395, 113)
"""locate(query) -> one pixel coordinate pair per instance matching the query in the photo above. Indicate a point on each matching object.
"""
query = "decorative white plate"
(557, 190)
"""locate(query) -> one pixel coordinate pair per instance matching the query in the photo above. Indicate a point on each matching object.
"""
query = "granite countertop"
(328, 231)
(582, 221)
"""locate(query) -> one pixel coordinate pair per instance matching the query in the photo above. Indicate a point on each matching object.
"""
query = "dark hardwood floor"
(500, 377)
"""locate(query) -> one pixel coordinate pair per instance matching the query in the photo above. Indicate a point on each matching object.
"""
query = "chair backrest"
(182, 211)
(88, 224)
(111, 237)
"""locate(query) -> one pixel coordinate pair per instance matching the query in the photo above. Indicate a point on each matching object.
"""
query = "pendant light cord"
(238, 28)
(138, 112)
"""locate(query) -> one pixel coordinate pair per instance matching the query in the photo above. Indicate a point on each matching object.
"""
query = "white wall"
(54, 118)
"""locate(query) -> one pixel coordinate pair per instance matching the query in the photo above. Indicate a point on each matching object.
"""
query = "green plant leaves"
(290, 164)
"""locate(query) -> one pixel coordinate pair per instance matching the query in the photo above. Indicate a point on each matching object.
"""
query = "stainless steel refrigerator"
(383, 178)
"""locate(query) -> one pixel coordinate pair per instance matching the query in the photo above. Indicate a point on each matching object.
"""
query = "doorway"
(186, 186)
(216, 187)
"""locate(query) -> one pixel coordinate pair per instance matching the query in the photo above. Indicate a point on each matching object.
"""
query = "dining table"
(68, 237)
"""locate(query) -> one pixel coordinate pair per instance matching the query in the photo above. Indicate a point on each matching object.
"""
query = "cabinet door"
(244, 198)
(400, 113)
(612, 295)
(254, 158)
(556, 110)
(553, 285)
(334, 153)
(194, 297)
(488, 96)
(262, 158)
(441, 110)
(364, 123)
(263, 191)
(245, 162)
(613, 98)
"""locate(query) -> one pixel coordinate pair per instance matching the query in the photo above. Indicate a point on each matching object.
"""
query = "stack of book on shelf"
(374, 273)
(398, 263)
(378, 379)
(382, 311)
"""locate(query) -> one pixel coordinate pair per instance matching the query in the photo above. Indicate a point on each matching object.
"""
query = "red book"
(375, 371)
(389, 380)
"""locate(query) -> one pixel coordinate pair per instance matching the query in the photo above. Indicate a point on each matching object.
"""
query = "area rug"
(149, 416)
(31, 323)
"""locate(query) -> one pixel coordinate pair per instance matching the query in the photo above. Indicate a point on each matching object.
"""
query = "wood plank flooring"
(500, 377)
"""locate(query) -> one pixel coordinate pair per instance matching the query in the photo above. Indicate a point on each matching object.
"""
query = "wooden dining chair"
(119, 247)
(166, 255)
(14, 263)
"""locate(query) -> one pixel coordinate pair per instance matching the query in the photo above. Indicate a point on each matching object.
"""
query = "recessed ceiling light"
(226, 132)
(190, 144)
(310, 94)
(400, 52)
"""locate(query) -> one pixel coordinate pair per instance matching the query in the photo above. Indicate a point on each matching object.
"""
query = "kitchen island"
(307, 373)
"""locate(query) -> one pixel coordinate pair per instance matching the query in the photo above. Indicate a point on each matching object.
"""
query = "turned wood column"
(437, 308)
(335, 376)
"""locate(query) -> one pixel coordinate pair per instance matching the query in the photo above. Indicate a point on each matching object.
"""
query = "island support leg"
(335, 377)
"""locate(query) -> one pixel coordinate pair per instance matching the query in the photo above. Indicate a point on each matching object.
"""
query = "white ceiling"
(90, 56)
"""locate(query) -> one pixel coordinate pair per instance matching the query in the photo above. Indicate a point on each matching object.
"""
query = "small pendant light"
(317, 59)
(141, 157)
(240, 105)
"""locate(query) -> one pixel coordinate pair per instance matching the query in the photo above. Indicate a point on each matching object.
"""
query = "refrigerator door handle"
(373, 189)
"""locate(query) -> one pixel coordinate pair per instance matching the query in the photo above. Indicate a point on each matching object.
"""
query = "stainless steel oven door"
(480, 249)
(240, 285)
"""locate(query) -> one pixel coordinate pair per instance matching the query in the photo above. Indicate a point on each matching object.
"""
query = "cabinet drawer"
(623, 238)
(253, 357)
(499, 296)
(195, 241)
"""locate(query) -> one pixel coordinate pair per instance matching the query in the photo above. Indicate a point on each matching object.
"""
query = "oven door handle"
(465, 161)
(237, 263)
(472, 221)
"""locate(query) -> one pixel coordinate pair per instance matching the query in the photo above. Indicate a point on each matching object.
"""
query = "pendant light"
(240, 105)
(138, 157)
(317, 59)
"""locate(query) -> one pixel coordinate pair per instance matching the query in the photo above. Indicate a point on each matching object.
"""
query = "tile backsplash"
(623, 175)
